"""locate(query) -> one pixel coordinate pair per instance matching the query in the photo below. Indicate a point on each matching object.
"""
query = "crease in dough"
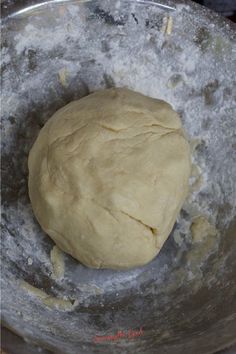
(150, 228)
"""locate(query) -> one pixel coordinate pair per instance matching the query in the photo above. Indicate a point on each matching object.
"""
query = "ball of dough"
(107, 177)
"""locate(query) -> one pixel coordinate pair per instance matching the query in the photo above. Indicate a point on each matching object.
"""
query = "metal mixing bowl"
(184, 301)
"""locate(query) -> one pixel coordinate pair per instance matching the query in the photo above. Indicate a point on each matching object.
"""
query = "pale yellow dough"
(108, 175)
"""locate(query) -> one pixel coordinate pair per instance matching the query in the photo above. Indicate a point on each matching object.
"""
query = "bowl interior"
(56, 52)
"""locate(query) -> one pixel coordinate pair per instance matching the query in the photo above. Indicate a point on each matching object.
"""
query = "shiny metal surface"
(184, 301)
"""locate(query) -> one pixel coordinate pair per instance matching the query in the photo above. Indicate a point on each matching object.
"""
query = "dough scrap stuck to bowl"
(108, 175)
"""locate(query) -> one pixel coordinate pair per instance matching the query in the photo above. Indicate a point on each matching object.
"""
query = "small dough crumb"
(50, 301)
(169, 26)
(201, 229)
(63, 75)
(57, 262)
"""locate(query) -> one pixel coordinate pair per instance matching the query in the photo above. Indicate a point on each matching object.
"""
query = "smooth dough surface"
(108, 175)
